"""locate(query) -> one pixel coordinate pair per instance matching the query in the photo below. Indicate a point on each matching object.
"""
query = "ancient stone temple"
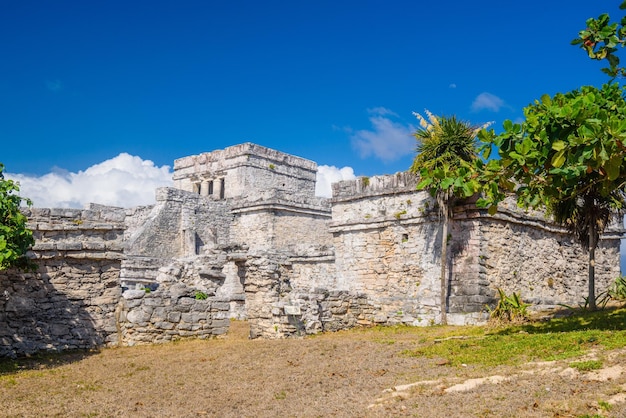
(242, 235)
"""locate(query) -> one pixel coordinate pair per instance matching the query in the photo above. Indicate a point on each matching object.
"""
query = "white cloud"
(381, 111)
(387, 140)
(326, 175)
(124, 181)
(487, 101)
(452, 86)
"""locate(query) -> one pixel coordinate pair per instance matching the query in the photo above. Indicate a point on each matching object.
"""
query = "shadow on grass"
(610, 319)
(42, 361)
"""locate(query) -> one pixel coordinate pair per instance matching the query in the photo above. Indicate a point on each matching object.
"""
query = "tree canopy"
(601, 39)
(15, 238)
(568, 157)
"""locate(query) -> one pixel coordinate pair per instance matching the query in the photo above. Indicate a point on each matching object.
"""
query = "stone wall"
(75, 299)
(289, 262)
(281, 224)
(387, 243)
(526, 254)
(185, 303)
(281, 302)
(70, 301)
(180, 224)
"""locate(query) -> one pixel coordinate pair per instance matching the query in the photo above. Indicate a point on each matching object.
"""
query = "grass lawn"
(568, 367)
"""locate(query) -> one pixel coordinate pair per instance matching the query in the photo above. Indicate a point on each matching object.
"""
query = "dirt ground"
(359, 373)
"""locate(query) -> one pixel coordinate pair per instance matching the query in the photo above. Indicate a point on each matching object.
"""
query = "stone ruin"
(242, 235)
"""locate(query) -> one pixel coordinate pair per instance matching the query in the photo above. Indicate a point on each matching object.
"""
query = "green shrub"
(618, 289)
(509, 308)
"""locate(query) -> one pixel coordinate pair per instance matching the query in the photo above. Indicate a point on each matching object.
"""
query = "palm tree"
(586, 216)
(446, 149)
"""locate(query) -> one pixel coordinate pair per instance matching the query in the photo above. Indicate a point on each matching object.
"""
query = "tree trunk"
(592, 264)
(444, 262)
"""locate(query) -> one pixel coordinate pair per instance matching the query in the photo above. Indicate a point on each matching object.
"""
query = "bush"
(618, 289)
(509, 309)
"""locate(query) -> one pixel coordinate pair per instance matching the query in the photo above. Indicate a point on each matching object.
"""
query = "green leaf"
(559, 145)
(447, 182)
(613, 166)
(486, 152)
(558, 159)
(493, 209)
(604, 156)
(468, 190)
(520, 159)
(425, 182)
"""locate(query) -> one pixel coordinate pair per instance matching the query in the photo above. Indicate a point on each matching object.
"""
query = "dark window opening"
(199, 244)
(222, 189)
(211, 187)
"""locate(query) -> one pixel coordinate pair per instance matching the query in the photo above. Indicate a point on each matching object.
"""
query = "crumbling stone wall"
(180, 224)
(70, 301)
(269, 251)
(170, 313)
(191, 297)
(281, 302)
(74, 300)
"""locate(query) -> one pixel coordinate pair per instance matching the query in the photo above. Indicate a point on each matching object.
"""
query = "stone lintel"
(268, 206)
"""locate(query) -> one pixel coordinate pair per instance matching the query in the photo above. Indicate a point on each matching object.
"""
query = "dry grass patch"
(339, 374)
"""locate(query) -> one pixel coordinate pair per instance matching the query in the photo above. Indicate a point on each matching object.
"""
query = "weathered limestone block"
(139, 315)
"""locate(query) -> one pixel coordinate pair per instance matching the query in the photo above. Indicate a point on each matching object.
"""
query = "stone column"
(217, 188)
(204, 189)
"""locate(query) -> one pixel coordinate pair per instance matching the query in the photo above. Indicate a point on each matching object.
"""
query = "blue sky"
(98, 98)
(84, 83)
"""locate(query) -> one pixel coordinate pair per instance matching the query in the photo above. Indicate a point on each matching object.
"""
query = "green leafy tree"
(567, 157)
(601, 39)
(445, 160)
(15, 238)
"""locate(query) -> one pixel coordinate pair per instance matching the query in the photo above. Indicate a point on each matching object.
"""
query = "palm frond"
(444, 141)
(577, 214)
